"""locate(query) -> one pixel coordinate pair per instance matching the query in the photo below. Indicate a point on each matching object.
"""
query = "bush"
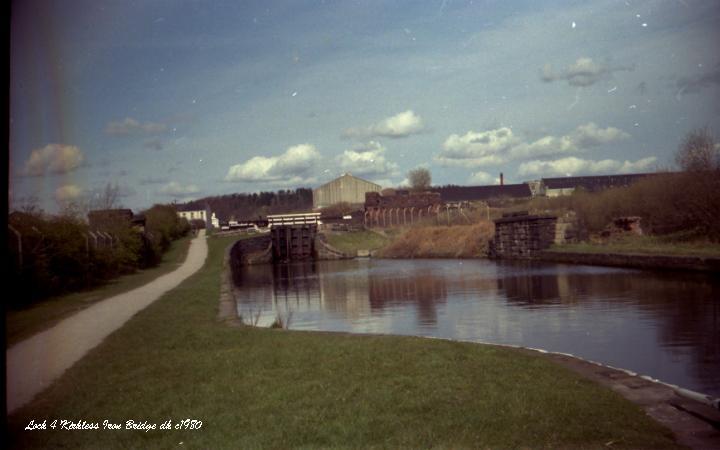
(163, 223)
(668, 203)
(59, 256)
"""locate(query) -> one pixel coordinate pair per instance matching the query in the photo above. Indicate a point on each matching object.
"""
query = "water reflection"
(663, 325)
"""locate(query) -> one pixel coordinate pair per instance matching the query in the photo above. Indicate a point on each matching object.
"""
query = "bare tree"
(698, 151)
(29, 205)
(106, 198)
(420, 179)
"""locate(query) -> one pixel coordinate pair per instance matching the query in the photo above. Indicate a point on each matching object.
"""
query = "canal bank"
(530, 290)
(634, 260)
(259, 388)
(471, 242)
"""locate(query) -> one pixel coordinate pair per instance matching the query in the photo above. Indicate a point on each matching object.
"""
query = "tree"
(420, 179)
(107, 198)
(698, 151)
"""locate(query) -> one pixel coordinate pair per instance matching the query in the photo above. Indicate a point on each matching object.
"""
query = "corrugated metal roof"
(347, 175)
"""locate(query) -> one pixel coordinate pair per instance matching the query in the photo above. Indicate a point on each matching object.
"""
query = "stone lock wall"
(520, 235)
(325, 251)
(256, 250)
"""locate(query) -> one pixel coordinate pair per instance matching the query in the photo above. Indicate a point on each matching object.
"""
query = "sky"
(178, 100)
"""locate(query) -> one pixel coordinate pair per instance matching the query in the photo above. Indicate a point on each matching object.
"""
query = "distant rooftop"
(467, 193)
(595, 182)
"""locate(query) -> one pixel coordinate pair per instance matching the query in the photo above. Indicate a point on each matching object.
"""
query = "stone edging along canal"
(694, 418)
(634, 260)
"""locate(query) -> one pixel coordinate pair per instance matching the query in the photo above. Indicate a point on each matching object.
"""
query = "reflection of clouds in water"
(664, 327)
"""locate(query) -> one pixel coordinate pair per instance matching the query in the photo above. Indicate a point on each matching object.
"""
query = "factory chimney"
(502, 179)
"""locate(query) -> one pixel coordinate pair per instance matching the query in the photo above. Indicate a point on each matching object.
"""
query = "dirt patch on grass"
(460, 241)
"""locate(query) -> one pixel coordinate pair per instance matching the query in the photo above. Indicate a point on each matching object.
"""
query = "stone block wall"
(325, 251)
(566, 229)
(522, 236)
(255, 250)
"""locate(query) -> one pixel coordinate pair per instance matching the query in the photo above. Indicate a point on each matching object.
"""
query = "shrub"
(163, 223)
(59, 256)
(668, 203)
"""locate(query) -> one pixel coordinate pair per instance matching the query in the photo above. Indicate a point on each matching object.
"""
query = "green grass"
(22, 323)
(647, 245)
(352, 241)
(264, 388)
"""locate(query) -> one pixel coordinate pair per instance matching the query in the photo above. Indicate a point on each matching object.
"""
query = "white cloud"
(398, 126)
(499, 146)
(132, 126)
(545, 146)
(68, 192)
(367, 160)
(477, 149)
(175, 189)
(482, 178)
(53, 158)
(583, 72)
(590, 135)
(292, 166)
(478, 144)
(576, 166)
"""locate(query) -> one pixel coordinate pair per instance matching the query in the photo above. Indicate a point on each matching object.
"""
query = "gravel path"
(33, 364)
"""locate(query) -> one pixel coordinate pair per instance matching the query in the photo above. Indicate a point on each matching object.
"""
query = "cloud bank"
(130, 126)
(583, 72)
(292, 166)
(577, 166)
(68, 193)
(400, 125)
(494, 147)
(367, 160)
(53, 159)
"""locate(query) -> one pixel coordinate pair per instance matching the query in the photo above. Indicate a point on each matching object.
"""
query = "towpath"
(33, 364)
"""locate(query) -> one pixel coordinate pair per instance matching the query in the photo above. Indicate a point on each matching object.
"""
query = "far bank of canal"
(664, 325)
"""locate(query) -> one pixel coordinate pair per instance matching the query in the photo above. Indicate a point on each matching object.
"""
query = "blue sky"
(174, 100)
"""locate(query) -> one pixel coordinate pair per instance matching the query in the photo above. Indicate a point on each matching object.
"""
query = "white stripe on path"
(33, 364)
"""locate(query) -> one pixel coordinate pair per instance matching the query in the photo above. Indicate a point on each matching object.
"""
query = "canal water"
(665, 325)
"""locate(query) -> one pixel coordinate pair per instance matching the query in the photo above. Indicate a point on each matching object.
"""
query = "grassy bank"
(261, 388)
(459, 241)
(645, 245)
(23, 323)
(352, 241)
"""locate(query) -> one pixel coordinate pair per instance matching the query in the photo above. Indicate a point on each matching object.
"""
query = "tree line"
(252, 205)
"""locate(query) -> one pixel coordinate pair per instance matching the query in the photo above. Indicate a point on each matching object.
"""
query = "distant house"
(346, 188)
(198, 214)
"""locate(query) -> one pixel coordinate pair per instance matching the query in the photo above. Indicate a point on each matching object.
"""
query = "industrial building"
(346, 188)
(554, 187)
